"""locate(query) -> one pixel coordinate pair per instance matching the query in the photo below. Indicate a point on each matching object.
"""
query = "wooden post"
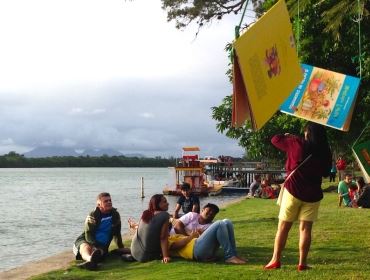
(142, 187)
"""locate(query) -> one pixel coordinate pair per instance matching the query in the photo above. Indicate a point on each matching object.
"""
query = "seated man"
(255, 185)
(194, 221)
(343, 190)
(187, 201)
(101, 226)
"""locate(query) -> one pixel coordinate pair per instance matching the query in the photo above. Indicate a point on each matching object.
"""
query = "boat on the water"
(212, 176)
(191, 169)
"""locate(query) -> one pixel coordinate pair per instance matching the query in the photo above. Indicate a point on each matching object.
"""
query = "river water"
(43, 209)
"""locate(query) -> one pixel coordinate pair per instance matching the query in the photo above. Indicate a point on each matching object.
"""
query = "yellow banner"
(268, 62)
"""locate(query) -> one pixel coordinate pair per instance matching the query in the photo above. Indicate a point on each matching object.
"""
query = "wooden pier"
(244, 172)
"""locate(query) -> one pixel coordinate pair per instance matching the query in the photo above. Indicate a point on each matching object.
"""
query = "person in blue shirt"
(333, 172)
(101, 226)
(187, 201)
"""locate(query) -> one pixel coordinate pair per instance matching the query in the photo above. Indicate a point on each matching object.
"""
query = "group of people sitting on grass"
(196, 237)
(193, 236)
(261, 188)
(352, 193)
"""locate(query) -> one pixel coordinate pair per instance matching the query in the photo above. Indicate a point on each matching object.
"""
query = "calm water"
(43, 209)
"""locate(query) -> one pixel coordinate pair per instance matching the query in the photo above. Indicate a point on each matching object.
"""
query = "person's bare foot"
(243, 259)
(235, 260)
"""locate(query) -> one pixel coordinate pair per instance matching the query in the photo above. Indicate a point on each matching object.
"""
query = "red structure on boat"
(190, 169)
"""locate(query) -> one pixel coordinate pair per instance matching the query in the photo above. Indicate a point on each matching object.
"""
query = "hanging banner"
(241, 107)
(324, 97)
(361, 150)
(269, 67)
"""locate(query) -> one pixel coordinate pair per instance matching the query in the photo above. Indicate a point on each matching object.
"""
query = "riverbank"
(255, 221)
(59, 261)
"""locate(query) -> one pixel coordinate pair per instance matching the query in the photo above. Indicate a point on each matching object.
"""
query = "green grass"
(340, 249)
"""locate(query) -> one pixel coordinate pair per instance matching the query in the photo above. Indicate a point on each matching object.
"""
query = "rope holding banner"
(237, 31)
(359, 19)
(358, 138)
(237, 28)
(298, 30)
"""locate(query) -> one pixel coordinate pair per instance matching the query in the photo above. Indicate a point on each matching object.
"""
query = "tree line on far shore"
(14, 160)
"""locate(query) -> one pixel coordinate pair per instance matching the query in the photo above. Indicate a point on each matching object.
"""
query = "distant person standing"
(333, 172)
(187, 201)
(341, 167)
(101, 226)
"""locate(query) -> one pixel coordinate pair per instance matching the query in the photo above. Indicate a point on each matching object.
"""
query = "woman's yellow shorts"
(292, 209)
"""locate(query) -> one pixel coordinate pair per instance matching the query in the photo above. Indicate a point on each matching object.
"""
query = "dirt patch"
(59, 261)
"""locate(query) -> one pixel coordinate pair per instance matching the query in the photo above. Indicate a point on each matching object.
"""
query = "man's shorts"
(293, 209)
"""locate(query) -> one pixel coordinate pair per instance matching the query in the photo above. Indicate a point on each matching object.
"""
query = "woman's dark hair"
(317, 144)
(153, 206)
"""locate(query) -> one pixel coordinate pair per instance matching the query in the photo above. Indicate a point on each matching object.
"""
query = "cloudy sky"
(110, 74)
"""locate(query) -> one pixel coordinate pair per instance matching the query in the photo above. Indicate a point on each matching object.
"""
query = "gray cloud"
(90, 95)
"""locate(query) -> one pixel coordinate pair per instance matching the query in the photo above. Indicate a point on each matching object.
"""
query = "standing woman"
(308, 159)
(150, 241)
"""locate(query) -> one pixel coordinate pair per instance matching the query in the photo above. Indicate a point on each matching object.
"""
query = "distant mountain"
(101, 152)
(134, 155)
(51, 152)
(41, 152)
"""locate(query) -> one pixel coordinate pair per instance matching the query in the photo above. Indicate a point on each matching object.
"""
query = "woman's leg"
(280, 241)
(305, 230)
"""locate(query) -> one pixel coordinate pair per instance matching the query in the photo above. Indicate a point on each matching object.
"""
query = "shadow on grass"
(262, 255)
(270, 220)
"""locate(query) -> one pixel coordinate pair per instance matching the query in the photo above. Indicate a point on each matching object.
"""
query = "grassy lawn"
(340, 249)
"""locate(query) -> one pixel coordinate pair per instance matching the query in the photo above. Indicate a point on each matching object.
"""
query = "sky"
(97, 74)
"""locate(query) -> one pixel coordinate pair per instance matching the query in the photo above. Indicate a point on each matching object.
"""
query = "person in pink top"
(308, 159)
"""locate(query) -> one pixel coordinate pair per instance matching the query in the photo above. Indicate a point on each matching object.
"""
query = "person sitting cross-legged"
(204, 247)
